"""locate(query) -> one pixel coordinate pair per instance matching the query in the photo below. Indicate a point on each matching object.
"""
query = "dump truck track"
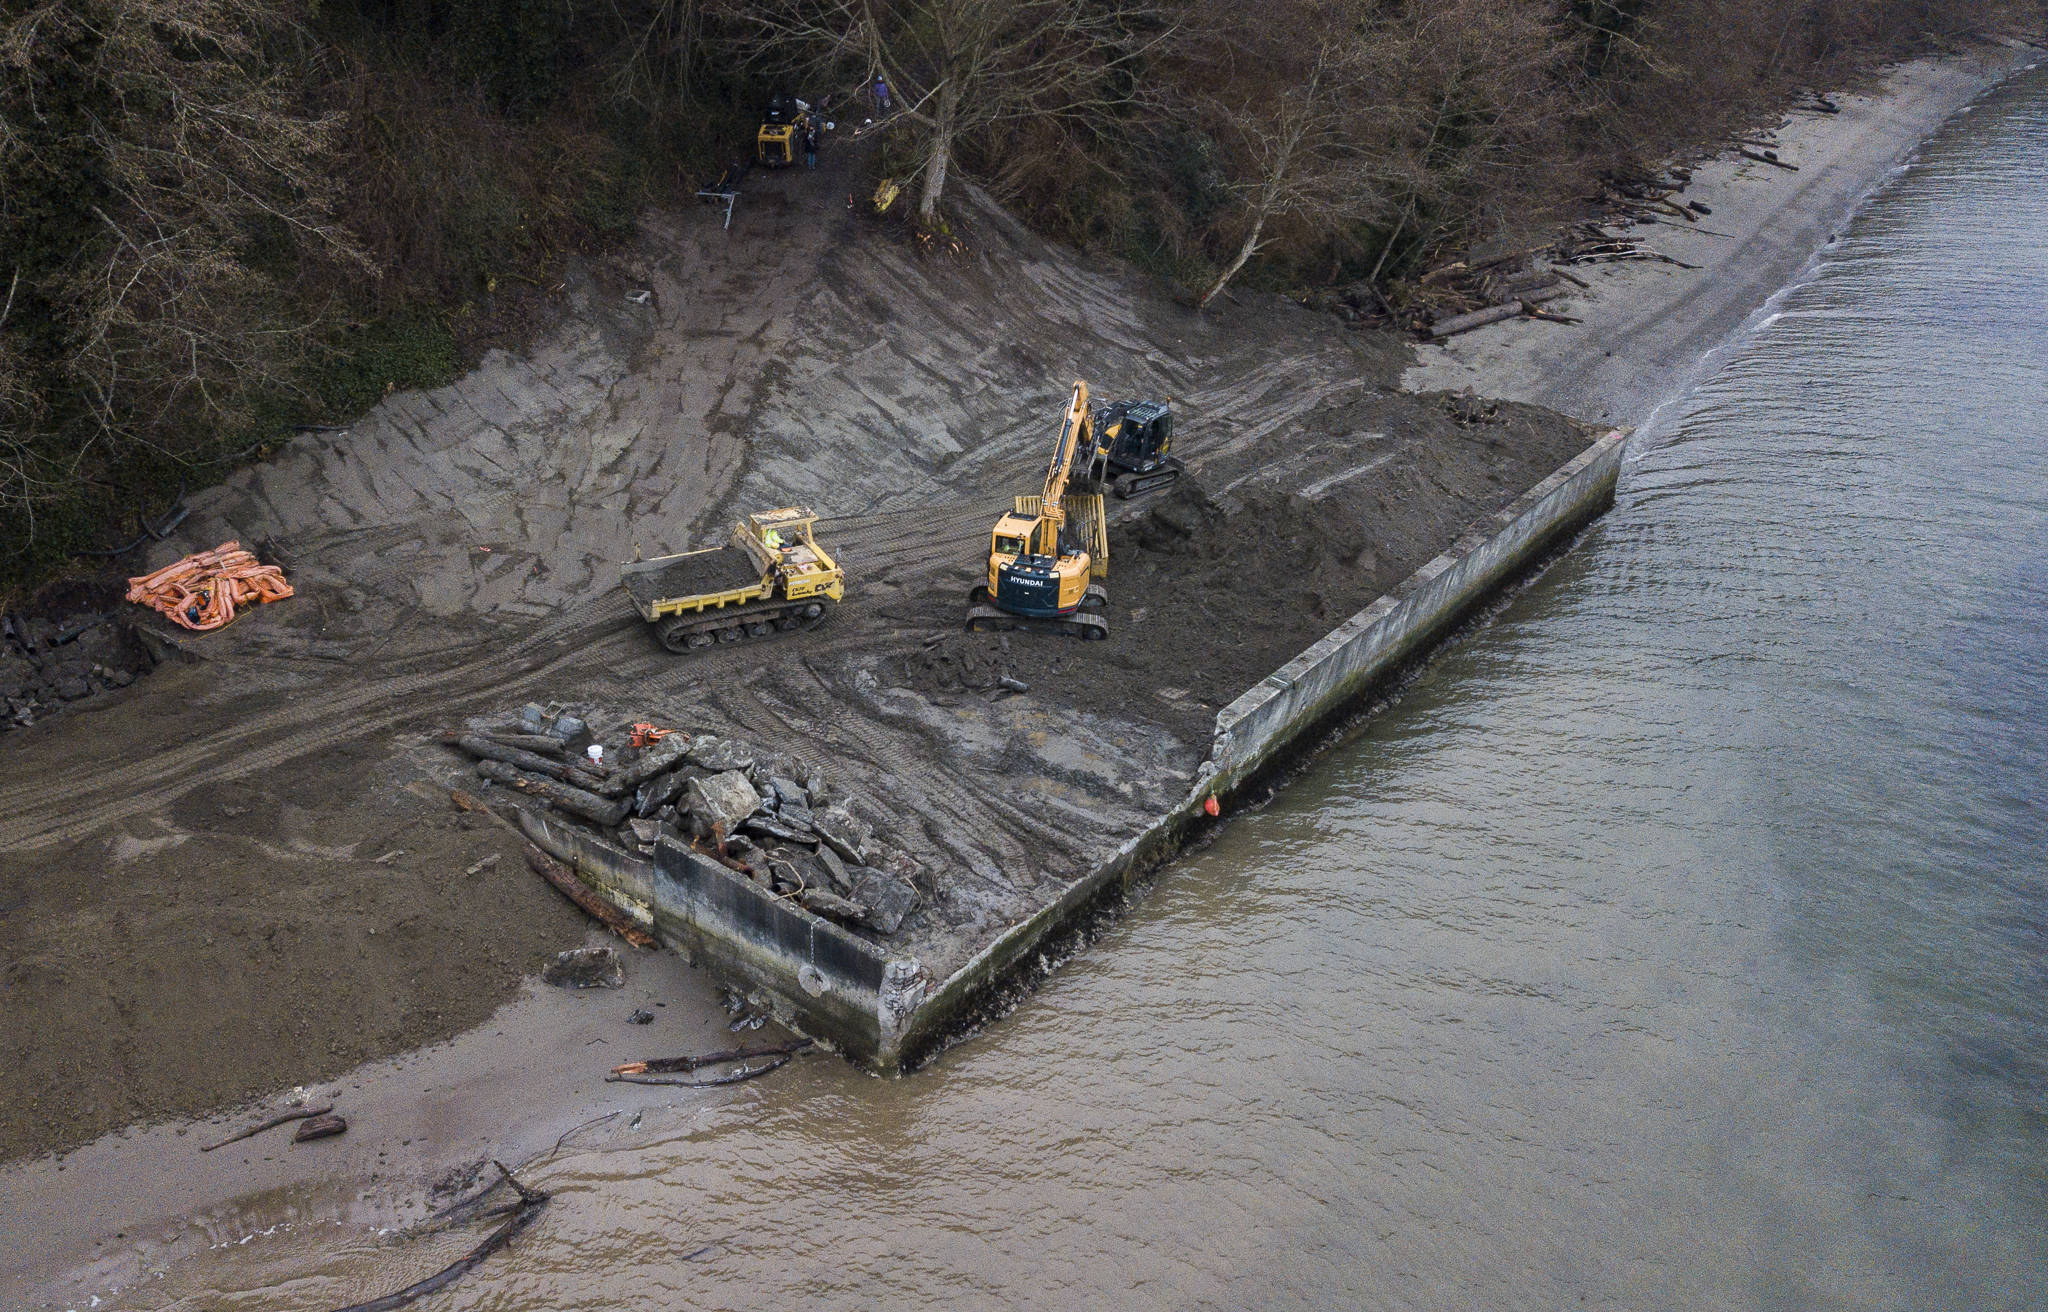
(379, 698)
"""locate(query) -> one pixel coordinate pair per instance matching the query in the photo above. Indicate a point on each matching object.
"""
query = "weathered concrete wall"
(1306, 692)
(1292, 705)
(887, 1012)
(810, 972)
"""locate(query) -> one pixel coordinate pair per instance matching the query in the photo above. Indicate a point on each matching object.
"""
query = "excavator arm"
(1077, 428)
(1036, 580)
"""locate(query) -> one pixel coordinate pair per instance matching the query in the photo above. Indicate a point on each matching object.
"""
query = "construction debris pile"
(203, 591)
(781, 824)
(46, 662)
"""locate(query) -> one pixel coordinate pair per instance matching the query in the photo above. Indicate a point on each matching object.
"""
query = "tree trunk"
(1244, 253)
(941, 156)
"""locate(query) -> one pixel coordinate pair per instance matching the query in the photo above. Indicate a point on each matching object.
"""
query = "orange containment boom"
(202, 591)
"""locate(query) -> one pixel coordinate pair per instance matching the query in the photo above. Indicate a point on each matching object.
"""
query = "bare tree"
(201, 154)
(662, 46)
(1472, 124)
(957, 67)
(1300, 160)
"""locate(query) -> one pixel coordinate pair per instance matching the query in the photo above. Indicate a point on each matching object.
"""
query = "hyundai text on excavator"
(1047, 552)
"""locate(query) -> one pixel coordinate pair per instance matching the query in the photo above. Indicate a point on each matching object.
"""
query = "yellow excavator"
(1047, 553)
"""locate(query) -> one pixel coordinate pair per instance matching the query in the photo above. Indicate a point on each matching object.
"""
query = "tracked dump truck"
(1048, 552)
(771, 578)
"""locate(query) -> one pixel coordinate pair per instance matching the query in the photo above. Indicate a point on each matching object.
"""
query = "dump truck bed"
(692, 574)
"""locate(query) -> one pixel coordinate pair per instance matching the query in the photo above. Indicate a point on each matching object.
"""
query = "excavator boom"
(1036, 578)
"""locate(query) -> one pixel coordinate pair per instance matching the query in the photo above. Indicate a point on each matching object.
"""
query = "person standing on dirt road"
(810, 143)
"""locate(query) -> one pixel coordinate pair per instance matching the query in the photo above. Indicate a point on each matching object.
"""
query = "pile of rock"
(782, 825)
(46, 662)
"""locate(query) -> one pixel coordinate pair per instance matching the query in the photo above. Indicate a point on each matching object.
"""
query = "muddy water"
(1678, 941)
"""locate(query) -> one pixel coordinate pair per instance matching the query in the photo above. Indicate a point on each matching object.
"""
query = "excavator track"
(683, 634)
(1127, 486)
(1088, 622)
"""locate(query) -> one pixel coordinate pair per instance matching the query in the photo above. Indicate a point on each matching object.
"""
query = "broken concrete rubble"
(842, 830)
(653, 761)
(721, 802)
(719, 754)
(729, 802)
(585, 968)
(47, 662)
(886, 900)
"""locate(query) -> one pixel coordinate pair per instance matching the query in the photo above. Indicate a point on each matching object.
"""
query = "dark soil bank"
(257, 935)
(72, 641)
(244, 874)
(1209, 594)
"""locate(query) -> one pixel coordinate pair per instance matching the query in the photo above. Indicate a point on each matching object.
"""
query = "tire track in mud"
(900, 546)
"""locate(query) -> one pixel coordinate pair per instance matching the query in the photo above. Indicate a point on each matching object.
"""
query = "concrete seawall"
(887, 1011)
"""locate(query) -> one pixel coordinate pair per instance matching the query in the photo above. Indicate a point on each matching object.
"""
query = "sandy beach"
(1648, 327)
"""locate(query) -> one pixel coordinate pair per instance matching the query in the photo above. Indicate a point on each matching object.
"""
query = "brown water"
(1678, 941)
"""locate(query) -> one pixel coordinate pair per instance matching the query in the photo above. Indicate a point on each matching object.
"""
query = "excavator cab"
(1036, 567)
(1135, 437)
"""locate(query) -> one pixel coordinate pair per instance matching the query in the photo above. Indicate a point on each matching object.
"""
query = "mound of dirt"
(951, 664)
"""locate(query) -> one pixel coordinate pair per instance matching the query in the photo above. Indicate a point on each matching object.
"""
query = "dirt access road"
(233, 878)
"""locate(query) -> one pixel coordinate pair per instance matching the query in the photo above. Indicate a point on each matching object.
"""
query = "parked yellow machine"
(772, 577)
(780, 139)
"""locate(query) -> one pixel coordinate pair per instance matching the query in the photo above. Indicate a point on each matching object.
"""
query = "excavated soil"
(243, 873)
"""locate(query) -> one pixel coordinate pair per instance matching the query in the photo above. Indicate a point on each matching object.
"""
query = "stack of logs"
(1475, 291)
(780, 825)
(1470, 293)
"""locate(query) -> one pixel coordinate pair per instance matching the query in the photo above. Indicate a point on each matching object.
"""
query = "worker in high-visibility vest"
(772, 540)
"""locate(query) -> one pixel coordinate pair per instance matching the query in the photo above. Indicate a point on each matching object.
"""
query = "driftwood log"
(530, 1203)
(565, 797)
(1491, 314)
(573, 888)
(1766, 157)
(671, 1065)
(532, 742)
(284, 1118)
(1465, 323)
(740, 1076)
(324, 1126)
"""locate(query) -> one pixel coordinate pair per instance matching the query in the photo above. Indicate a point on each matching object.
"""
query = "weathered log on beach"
(488, 750)
(284, 1118)
(575, 801)
(671, 1065)
(532, 742)
(1462, 323)
(575, 890)
(1492, 314)
(1766, 157)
